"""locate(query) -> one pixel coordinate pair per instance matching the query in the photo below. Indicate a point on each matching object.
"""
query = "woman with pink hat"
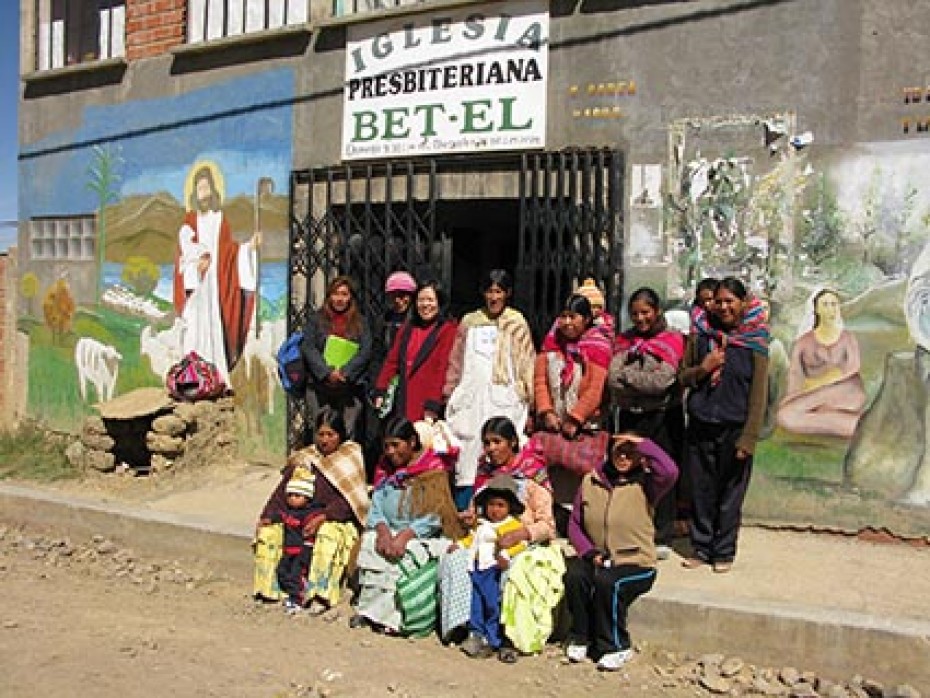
(400, 288)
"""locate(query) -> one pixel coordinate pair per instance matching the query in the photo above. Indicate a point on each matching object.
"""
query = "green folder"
(338, 351)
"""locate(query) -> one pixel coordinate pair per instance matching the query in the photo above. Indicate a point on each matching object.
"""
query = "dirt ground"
(81, 618)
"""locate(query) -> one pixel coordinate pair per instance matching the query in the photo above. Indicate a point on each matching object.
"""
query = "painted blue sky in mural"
(243, 124)
(9, 88)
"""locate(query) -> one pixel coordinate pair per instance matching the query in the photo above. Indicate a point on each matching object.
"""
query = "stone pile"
(100, 556)
(147, 432)
(732, 676)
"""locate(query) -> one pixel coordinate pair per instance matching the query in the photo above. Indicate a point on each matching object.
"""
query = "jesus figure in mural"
(215, 277)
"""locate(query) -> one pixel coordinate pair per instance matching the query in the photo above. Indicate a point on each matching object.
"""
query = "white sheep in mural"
(162, 348)
(98, 364)
(264, 349)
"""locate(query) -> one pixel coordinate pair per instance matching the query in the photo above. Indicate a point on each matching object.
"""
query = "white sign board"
(465, 80)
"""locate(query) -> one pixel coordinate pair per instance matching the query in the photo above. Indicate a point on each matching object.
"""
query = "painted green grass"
(31, 453)
(54, 394)
(778, 500)
(791, 456)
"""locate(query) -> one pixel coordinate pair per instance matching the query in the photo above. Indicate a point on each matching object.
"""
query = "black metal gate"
(367, 220)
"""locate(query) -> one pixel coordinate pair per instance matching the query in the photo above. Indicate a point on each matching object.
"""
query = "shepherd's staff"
(263, 187)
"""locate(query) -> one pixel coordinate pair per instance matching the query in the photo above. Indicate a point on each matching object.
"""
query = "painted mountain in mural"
(148, 225)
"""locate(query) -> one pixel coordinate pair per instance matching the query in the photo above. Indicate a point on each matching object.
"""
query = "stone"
(789, 676)
(803, 689)
(100, 460)
(106, 547)
(731, 667)
(710, 660)
(161, 463)
(166, 445)
(186, 411)
(855, 690)
(715, 683)
(904, 691)
(834, 691)
(98, 442)
(224, 438)
(766, 688)
(873, 688)
(75, 454)
(94, 425)
(169, 424)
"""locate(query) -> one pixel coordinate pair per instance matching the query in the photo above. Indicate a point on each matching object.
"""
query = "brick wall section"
(154, 26)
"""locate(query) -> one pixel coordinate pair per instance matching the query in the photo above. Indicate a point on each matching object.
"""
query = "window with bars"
(69, 32)
(342, 8)
(216, 19)
(73, 238)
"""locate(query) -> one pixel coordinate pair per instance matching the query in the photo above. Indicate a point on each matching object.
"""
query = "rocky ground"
(98, 617)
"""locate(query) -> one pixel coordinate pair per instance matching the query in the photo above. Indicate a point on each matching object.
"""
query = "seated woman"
(825, 394)
(337, 469)
(411, 511)
(611, 530)
(503, 456)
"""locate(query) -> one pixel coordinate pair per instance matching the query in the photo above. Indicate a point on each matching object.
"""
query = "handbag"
(416, 595)
(194, 378)
(579, 455)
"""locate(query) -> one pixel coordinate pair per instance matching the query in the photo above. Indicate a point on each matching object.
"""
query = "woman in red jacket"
(418, 358)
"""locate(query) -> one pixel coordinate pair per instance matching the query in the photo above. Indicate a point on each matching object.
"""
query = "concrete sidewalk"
(822, 602)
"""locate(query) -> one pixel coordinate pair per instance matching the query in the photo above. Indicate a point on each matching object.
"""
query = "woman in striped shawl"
(725, 367)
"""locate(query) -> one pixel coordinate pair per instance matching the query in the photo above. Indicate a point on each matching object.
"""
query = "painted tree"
(58, 308)
(821, 224)
(141, 274)
(29, 289)
(102, 180)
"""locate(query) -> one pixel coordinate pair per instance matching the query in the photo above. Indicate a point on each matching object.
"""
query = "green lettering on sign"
(507, 116)
(365, 123)
(477, 111)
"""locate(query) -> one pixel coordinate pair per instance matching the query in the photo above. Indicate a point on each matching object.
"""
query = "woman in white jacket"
(490, 374)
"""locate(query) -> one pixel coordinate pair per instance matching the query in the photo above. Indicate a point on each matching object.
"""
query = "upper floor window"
(77, 31)
(215, 19)
(341, 8)
(71, 238)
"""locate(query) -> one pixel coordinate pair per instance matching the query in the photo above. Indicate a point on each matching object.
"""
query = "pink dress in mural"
(825, 393)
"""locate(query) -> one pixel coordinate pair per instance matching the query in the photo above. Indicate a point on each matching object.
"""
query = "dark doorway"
(484, 235)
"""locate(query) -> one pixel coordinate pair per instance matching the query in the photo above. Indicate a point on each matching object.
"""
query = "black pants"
(598, 599)
(719, 481)
(666, 429)
(292, 570)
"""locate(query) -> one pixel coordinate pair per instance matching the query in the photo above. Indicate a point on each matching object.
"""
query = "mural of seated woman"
(825, 394)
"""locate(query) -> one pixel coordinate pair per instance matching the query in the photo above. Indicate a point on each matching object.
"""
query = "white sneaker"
(663, 552)
(576, 653)
(613, 661)
(291, 608)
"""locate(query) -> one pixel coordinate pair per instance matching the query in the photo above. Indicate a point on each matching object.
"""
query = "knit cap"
(589, 290)
(300, 486)
(400, 281)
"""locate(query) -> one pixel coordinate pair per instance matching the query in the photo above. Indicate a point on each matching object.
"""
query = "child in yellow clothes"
(498, 507)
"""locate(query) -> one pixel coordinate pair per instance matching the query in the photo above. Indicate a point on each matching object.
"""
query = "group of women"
(617, 400)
